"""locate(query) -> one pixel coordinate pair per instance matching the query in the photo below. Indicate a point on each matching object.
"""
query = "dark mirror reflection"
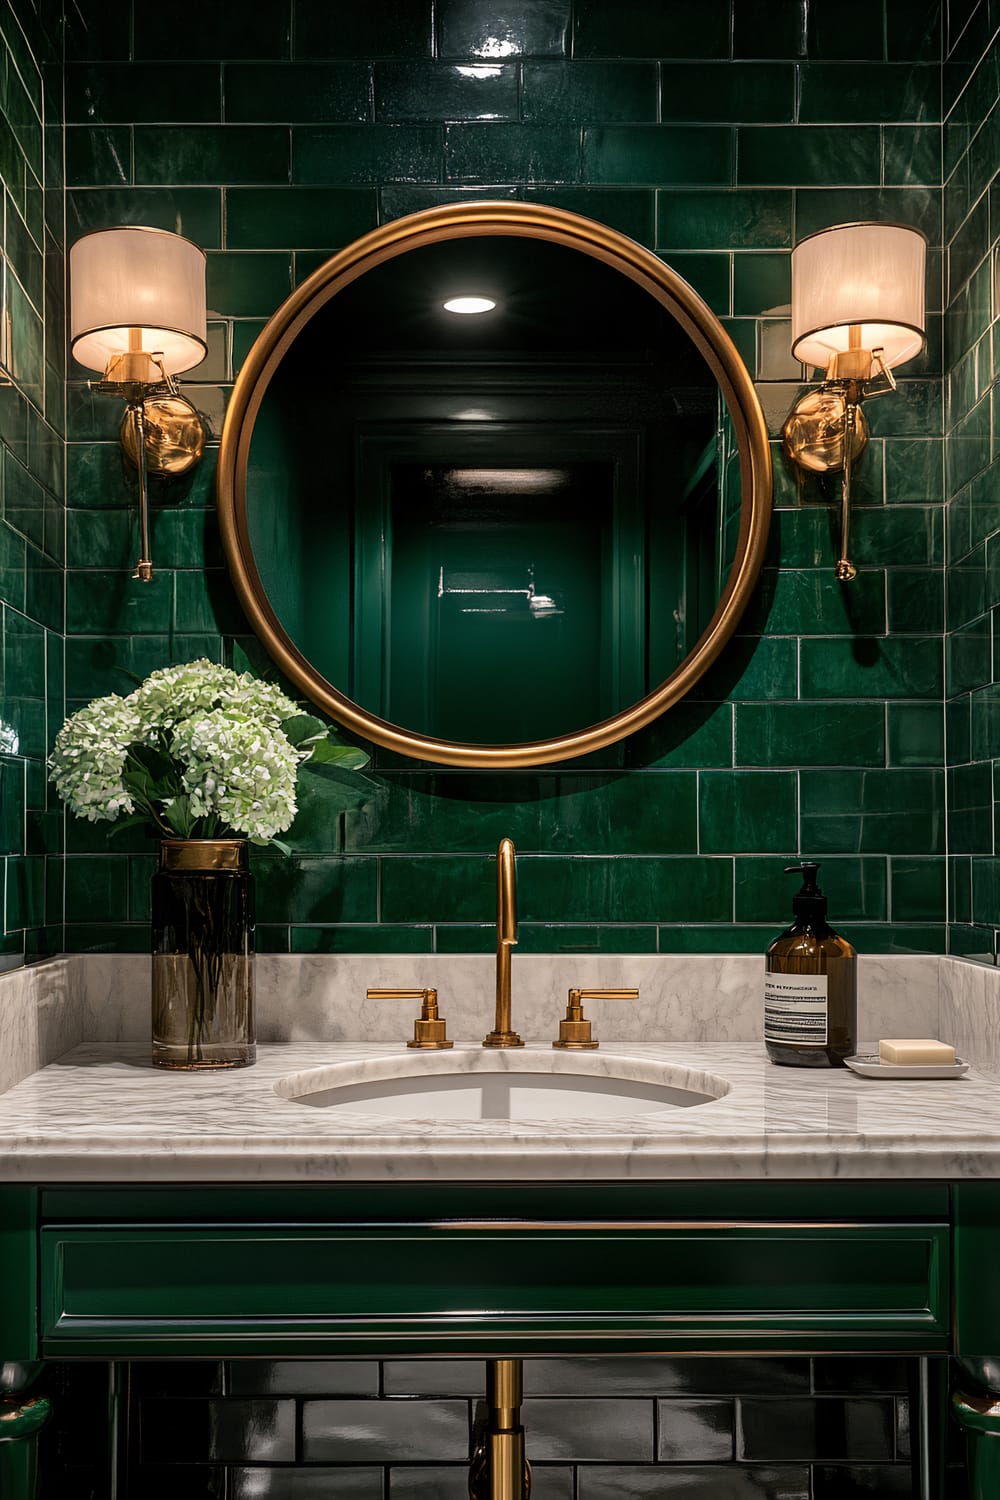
(494, 526)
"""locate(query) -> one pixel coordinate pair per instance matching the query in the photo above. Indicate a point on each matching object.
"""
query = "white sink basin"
(478, 1084)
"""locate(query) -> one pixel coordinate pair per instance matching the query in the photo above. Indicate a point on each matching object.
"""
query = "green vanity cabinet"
(494, 1271)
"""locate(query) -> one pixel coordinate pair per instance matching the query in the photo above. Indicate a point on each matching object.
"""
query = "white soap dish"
(870, 1065)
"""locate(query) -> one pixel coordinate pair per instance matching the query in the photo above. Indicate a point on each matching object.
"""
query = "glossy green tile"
(334, 154)
(740, 219)
(969, 657)
(302, 217)
(99, 538)
(195, 212)
(123, 93)
(140, 874)
(841, 93)
(13, 566)
(914, 471)
(768, 28)
(867, 667)
(810, 734)
(393, 28)
(575, 812)
(25, 335)
(96, 889)
(464, 937)
(625, 890)
(440, 91)
(97, 155)
(585, 93)
(708, 274)
(631, 210)
(107, 937)
(398, 199)
(103, 32)
(916, 734)
(746, 811)
(911, 154)
(12, 806)
(918, 889)
(847, 32)
(376, 938)
(689, 734)
(549, 937)
(648, 28)
(300, 92)
(915, 599)
(986, 893)
(872, 812)
(204, 602)
(25, 894)
(855, 888)
(913, 29)
(900, 937)
(336, 889)
(808, 156)
(970, 808)
(44, 835)
(24, 256)
(692, 938)
(960, 888)
(750, 667)
(919, 207)
(226, 28)
(983, 731)
(810, 601)
(658, 154)
(106, 603)
(524, 153)
(520, 28)
(967, 588)
(454, 889)
(761, 283)
(211, 154)
(731, 91)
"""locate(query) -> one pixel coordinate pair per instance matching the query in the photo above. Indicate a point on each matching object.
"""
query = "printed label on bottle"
(796, 1009)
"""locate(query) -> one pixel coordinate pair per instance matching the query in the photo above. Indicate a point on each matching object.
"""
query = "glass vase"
(203, 978)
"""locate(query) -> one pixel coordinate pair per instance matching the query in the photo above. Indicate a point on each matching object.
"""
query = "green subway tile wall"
(717, 135)
(32, 447)
(972, 463)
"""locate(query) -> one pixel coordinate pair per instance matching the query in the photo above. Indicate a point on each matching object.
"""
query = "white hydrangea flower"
(242, 773)
(172, 694)
(89, 755)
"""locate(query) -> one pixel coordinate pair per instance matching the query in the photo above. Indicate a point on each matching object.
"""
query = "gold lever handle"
(429, 1030)
(574, 1029)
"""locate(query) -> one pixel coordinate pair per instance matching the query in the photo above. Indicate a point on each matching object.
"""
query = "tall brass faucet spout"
(502, 1035)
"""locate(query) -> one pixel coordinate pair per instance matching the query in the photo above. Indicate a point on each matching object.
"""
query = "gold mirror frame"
(533, 221)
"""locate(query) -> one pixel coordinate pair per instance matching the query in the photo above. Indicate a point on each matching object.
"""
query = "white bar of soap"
(916, 1052)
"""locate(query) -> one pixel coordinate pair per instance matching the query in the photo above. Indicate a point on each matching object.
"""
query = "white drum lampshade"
(135, 278)
(869, 276)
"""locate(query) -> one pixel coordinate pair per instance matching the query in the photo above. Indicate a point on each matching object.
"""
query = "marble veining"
(102, 1113)
(696, 997)
(40, 1016)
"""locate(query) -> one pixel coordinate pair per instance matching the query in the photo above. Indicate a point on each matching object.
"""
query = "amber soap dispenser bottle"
(810, 985)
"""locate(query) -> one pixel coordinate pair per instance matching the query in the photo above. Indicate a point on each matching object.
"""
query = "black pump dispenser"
(810, 985)
(809, 903)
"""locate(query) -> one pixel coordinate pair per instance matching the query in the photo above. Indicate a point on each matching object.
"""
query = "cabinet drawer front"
(218, 1290)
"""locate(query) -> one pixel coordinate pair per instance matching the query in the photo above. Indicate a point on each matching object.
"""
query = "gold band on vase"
(203, 854)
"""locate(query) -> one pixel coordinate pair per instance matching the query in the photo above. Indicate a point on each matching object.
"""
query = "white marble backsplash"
(48, 1007)
(696, 998)
(41, 1016)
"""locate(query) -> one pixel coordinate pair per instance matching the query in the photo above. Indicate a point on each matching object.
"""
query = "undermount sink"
(475, 1084)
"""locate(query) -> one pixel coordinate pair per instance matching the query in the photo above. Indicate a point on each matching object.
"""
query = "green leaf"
(327, 753)
(281, 847)
(160, 769)
(303, 730)
(181, 817)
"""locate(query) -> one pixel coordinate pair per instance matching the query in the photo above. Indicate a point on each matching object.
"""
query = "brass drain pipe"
(499, 1470)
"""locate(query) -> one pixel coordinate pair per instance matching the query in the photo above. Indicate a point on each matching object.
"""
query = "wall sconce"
(857, 312)
(137, 314)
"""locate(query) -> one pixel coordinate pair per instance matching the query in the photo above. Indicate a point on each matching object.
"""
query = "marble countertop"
(102, 1113)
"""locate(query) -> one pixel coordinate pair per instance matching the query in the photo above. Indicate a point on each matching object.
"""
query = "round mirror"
(494, 486)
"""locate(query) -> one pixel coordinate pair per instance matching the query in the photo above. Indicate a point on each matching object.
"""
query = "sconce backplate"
(175, 435)
(814, 432)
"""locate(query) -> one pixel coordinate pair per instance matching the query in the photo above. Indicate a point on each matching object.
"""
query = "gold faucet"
(502, 1035)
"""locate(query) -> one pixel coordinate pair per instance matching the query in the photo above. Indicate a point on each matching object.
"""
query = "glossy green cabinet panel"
(493, 1285)
(18, 1269)
(977, 1289)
